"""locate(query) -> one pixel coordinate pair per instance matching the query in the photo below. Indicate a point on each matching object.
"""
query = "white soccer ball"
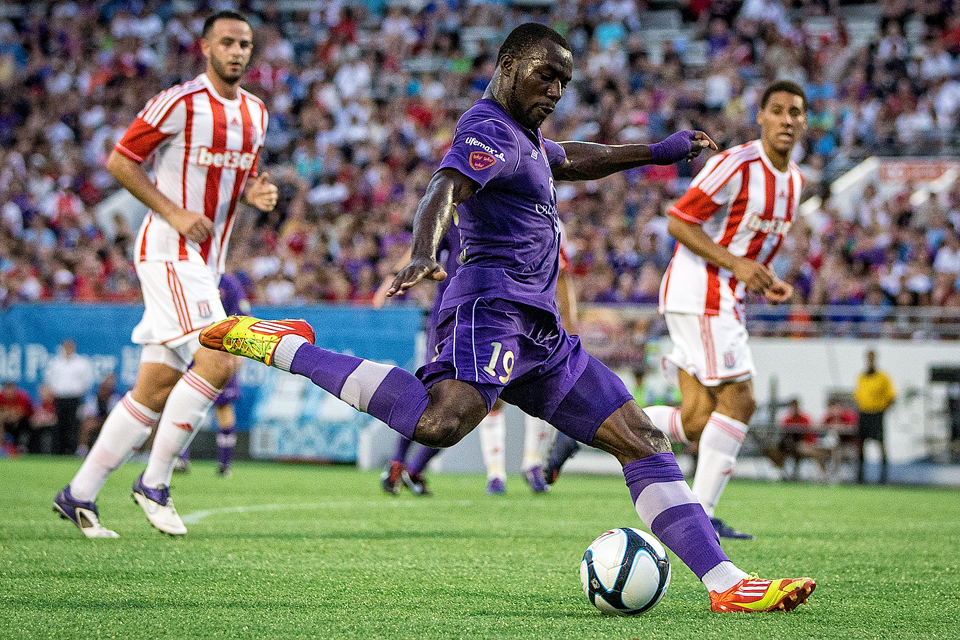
(625, 572)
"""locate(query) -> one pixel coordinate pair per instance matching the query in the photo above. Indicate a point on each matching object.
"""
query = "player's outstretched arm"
(133, 177)
(757, 277)
(589, 161)
(446, 190)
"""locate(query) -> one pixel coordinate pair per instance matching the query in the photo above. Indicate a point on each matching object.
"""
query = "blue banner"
(30, 335)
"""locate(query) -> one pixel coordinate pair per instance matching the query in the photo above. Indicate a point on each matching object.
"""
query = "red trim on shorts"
(710, 356)
(179, 299)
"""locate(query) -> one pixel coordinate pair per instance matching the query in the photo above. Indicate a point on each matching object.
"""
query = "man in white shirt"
(70, 376)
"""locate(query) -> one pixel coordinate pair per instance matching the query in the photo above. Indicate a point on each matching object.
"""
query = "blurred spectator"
(69, 376)
(16, 409)
(95, 410)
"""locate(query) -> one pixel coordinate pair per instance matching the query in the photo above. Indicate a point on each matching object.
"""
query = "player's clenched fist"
(262, 193)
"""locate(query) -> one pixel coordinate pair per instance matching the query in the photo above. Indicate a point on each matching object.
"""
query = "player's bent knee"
(454, 410)
(629, 435)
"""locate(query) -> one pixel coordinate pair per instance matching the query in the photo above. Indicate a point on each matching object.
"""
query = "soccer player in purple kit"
(234, 300)
(500, 333)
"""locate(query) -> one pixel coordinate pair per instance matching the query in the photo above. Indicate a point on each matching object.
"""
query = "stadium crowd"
(363, 102)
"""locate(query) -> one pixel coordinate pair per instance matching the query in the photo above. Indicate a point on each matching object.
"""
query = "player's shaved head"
(527, 36)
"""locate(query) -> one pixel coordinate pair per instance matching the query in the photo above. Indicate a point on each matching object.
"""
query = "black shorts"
(870, 426)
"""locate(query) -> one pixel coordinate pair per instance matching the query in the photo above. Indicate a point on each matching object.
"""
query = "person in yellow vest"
(873, 394)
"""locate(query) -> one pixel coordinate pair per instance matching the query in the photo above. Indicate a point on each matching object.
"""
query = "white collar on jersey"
(766, 160)
(213, 91)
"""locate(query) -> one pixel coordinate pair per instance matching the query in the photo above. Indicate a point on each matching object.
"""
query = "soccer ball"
(625, 572)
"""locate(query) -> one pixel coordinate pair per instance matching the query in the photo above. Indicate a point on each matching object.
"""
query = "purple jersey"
(232, 296)
(509, 228)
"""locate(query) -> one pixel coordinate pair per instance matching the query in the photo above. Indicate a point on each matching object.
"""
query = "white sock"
(186, 408)
(127, 427)
(493, 433)
(286, 349)
(667, 419)
(536, 435)
(719, 445)
(722, 577)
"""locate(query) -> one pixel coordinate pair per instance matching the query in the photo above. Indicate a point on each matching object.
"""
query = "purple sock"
(403, 446)
(226, 441)
(388, 393)
(424, 455)
(666, 504)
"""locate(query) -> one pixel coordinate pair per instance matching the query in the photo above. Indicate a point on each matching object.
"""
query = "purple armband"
(674, 149)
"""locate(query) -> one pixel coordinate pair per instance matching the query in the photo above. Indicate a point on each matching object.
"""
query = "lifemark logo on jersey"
(226, 158)
(480, 160)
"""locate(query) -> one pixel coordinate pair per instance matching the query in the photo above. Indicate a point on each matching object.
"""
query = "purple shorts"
(523, 355)
(230, 393)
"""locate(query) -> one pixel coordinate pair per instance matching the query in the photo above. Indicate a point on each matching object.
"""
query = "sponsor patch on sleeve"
(480, 160)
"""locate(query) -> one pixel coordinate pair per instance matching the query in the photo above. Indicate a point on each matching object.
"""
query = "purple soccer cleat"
(534, 477)
(83, 514)
(496, 487)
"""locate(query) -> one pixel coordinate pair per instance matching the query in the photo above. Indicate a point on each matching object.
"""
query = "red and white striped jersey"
(745, 206)
(205, 147)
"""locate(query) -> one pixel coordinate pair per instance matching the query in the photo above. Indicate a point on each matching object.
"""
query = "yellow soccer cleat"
(253, 338)
(753, 594)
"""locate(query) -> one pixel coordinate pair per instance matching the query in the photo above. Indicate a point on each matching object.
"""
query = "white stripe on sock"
(360, 385)
(660, 496)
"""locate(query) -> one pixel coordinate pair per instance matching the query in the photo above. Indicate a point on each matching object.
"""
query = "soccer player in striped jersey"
(204, 137)
(728, 225)
(500, 333)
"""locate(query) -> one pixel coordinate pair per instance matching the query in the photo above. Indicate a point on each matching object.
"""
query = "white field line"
(197, 516)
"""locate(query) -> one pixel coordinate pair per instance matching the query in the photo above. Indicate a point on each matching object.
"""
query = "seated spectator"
(16, 407)
(797, 441)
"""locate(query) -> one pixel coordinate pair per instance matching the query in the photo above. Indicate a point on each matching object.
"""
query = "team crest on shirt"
(729, 359)
(204, 307)
(480, 160)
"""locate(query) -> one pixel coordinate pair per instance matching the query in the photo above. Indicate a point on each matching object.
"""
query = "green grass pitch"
(320, 552)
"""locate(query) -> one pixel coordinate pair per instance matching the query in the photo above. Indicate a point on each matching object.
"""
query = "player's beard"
(220, 68)
(524, 114)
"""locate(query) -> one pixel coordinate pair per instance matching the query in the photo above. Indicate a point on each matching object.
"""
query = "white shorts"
(713, 349)
(180, 299)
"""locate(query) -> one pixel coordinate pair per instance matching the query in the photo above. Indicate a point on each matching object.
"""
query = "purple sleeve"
(482, 151)
(555, 153)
